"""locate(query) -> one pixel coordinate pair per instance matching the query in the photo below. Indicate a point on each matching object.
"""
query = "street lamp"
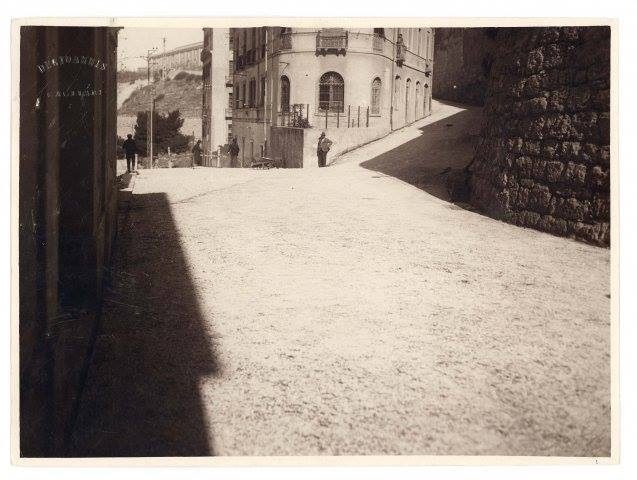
(148, 57)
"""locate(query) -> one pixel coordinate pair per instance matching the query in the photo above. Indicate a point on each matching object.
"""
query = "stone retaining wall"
(543, 160)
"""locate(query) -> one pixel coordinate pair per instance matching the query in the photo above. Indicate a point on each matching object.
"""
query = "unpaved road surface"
(343, 311)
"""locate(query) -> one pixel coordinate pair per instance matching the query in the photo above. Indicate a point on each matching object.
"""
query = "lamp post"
(150, 126)
(148, 57)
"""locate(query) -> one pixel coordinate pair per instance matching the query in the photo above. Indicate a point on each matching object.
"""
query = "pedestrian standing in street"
(323, 146)
(196, 154)
(130, 149)
(233, 150)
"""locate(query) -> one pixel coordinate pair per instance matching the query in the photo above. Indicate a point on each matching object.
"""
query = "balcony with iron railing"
(401, 53)
(378, 43)
(283, 42)
(340, 41)
(296, 115)
(331, 41)
(248, 112)
(251, 56)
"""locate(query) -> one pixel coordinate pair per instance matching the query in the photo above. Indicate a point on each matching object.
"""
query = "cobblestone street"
(346, 310)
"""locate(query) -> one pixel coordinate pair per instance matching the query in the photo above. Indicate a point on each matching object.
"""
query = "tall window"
(253, 92)
(331, 92)
(427, 49)
(376, 88)
(407, 95)
(285, 94)
(397, 92)
(378, 42)
(417, 109)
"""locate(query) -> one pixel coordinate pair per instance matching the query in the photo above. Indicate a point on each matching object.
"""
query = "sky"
(134, 43)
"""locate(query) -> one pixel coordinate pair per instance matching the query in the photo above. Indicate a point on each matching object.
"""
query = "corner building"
(216, 118)
(356, 85)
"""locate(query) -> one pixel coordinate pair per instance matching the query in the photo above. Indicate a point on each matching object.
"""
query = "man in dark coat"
(233, 150)
(130, 149)
(196, 154)
(323, 146)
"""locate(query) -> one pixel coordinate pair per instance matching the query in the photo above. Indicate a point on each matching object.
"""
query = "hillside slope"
(183, 94)
(126, 89)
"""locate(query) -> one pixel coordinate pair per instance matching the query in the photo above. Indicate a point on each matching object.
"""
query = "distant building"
(354, 84)
(184, 58)
(217, 59)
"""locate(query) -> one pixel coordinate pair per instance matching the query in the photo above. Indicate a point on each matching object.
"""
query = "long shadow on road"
(142, 393)
(446, 144)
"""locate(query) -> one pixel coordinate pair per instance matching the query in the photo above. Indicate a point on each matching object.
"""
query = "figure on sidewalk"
(324, 145)
(233, 150)
(130, 149)
(196, 154)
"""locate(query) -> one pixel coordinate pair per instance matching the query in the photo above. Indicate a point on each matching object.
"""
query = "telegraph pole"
(148, 56)
(163, 71)
(150, 120)
(149, 124)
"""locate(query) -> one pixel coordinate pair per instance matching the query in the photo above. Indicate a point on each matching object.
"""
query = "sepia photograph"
(315, 238)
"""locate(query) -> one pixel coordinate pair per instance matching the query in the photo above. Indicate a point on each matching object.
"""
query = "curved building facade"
(354, 84)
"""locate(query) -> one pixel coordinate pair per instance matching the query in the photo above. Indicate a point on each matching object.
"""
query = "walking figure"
(233, 150)
(130, 150)
(196, 154)
(323, 146)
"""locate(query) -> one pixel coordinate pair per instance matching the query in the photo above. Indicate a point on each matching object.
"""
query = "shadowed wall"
(463, 58)
(67, 208)
(544, 156)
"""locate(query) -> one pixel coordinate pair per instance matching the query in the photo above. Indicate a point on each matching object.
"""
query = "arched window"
(407, 93)
(425, 96)
(397, 92)
(376, 89)
(331, 92)
(417, 102)
(285, 94)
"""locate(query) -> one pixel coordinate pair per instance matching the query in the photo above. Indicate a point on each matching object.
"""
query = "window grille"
(397, 92)
(407, 94)
(417, 99)
(285, 94)
(331, 92)
(376, 89)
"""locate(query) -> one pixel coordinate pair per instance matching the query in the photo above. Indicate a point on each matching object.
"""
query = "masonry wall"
(463, 58)
(543, 160)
